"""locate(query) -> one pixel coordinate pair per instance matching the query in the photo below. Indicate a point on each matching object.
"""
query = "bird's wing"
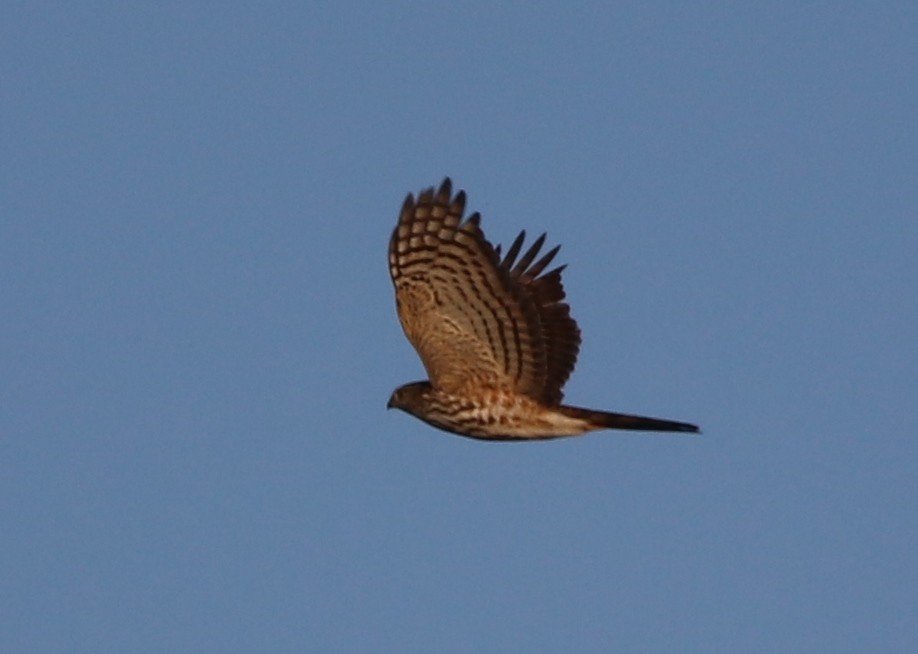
(560, 332)
(476, 321)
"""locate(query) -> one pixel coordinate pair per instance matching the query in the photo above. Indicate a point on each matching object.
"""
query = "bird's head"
(408, 396)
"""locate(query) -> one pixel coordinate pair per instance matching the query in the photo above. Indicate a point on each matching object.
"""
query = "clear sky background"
(199, 333)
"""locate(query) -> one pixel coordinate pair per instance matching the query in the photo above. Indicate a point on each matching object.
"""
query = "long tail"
(607, 420)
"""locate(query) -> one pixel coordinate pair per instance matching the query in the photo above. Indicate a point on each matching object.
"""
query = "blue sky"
(199, 334)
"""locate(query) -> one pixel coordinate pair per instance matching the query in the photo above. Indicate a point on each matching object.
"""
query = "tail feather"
(608, 420)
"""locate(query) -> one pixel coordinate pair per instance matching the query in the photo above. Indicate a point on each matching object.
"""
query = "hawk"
(494, 334)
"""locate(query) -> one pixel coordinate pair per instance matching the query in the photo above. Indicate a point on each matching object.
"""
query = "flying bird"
(494, 334)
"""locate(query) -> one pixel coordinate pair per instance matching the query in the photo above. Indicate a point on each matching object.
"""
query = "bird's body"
(487, 413)
(495, 336)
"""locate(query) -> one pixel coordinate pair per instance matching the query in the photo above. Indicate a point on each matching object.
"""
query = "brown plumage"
(495, 335)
